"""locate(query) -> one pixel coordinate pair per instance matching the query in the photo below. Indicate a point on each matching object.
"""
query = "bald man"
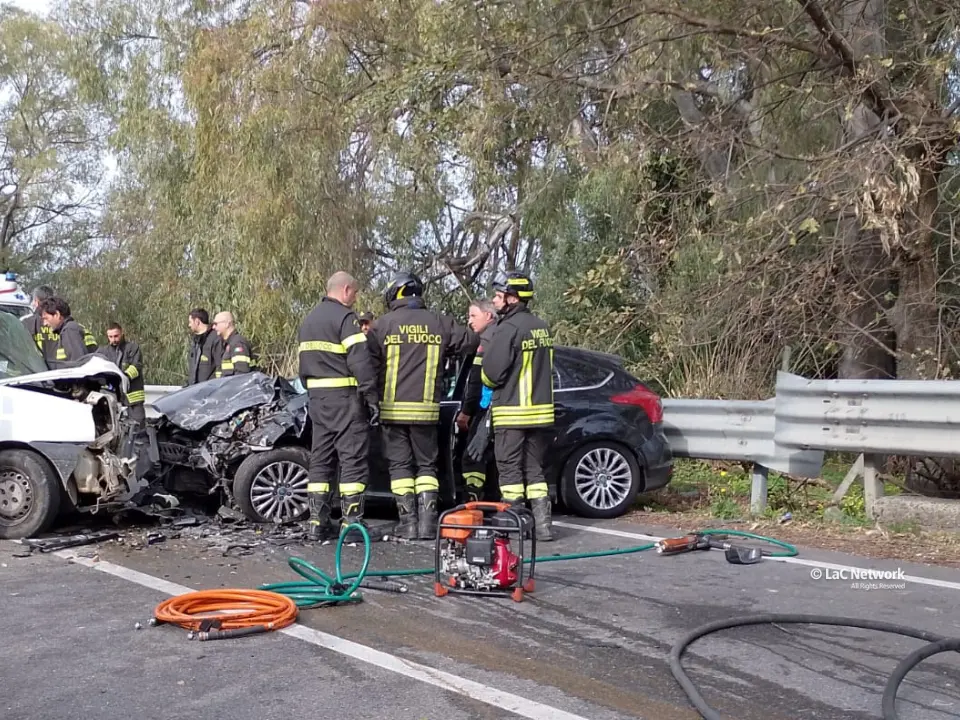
(237, 356)
(336, 370)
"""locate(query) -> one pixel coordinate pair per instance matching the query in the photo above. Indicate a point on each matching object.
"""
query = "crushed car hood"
(92, 366)
(214, 401)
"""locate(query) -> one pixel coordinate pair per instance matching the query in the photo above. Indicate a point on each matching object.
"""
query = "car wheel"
(271, 486)
(601, 480)
(29, 494)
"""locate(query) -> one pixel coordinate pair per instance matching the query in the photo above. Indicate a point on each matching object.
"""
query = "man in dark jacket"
(73, 342)
(482, 319)
(237, 356)
(408, 345)
(518, 366)
(205, 350)
(42, 335)
(126, 355)
(341, 386)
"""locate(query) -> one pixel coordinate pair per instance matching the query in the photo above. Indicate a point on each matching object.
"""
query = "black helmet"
(516, 284)
(404, 285)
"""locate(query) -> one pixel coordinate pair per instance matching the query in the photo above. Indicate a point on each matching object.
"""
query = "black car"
(250, 435)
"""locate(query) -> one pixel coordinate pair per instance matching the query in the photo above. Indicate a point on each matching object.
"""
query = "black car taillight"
(644, 397)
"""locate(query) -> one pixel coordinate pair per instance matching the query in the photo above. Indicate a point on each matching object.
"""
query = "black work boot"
(319, 526)
(427, 510)
(542, 518)
(351, 508)
(407, 509)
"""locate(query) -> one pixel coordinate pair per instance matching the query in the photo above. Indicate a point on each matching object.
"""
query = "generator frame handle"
(525, 580)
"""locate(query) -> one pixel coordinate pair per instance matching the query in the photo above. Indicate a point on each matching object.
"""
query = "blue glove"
(485, 397)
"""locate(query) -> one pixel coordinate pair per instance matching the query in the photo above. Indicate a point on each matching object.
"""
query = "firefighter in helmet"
(518, 367)
(408, 346)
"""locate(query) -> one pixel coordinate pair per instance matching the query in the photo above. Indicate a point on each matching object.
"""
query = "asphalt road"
(592, 641)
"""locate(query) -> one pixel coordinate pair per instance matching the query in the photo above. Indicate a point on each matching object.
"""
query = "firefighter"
(341, 384)
(408, 345)
(238, 356)
(73, 342)
(42, 335)
(126, 355)
(366, 319)
(205, 350)
(482, 319)
(518, 366)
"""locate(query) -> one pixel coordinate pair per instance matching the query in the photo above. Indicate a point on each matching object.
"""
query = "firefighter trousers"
(339, 434)
(138, 414)
(520, 454)
(411, 452)
(474, 472)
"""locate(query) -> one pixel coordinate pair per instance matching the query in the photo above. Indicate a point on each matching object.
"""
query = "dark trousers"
(520, 454)
(138, 414)
(411, 452)
(339, 433)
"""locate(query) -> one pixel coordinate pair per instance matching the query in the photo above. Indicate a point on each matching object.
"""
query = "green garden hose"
(319, 589)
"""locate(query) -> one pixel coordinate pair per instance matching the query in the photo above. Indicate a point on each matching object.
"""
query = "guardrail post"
(758, 489)
(872, 486)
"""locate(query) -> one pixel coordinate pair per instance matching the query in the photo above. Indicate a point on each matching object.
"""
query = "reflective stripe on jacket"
(73, 342)
(333, 352)
(128, 357)
(238, 356)
(518, 365)
(408, 345)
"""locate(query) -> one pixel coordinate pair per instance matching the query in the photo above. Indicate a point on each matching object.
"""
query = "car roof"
(596, 357)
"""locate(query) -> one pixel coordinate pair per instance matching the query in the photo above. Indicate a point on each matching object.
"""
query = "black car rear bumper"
(657, 460)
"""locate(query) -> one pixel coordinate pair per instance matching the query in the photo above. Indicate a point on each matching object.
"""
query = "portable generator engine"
(475, 554)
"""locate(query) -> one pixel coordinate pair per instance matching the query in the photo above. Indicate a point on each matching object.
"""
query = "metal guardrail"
(740, 431)
(869, 417)
(887, 417)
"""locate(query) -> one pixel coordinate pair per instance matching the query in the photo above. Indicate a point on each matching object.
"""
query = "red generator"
(474, 553)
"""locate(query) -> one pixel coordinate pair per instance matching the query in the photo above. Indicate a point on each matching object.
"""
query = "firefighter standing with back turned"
(518, 366)
(408, 345)
(335, 369)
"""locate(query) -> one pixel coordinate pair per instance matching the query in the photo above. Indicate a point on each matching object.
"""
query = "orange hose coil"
(235, 609)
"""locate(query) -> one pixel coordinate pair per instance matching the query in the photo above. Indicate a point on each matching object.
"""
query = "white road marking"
(446, 681)
(793, 560)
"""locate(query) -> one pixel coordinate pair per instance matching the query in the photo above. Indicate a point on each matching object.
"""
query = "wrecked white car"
(65, 441)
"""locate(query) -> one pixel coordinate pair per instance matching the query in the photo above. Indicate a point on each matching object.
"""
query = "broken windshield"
(18, 353)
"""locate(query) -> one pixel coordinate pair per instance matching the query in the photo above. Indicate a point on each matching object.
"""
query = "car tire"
(29, 494)
(592, 458)
(278, 475)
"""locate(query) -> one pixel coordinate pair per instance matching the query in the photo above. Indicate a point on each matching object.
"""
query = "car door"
(451, 442)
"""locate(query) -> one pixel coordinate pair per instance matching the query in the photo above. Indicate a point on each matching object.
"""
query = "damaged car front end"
(65, 440)
(239, 438)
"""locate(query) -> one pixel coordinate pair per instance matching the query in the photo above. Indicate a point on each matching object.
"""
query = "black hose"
(937, 644)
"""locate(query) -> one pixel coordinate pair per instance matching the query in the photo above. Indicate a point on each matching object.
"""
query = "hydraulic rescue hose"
(320, 589)
(936, 644)
(219, 614)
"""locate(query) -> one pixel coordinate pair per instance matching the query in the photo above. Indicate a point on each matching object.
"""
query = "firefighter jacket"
(73, 342)
(205, 355)
(42, 335)
(474, 389)
(518, 366)
(129, 359)
(334, 355)
(238, 356)
(408, 346)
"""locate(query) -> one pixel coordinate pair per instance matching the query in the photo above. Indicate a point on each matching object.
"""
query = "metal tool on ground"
(474, 554)
(63, 542)
(227, 613)
(936, 644)
(716, 539)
